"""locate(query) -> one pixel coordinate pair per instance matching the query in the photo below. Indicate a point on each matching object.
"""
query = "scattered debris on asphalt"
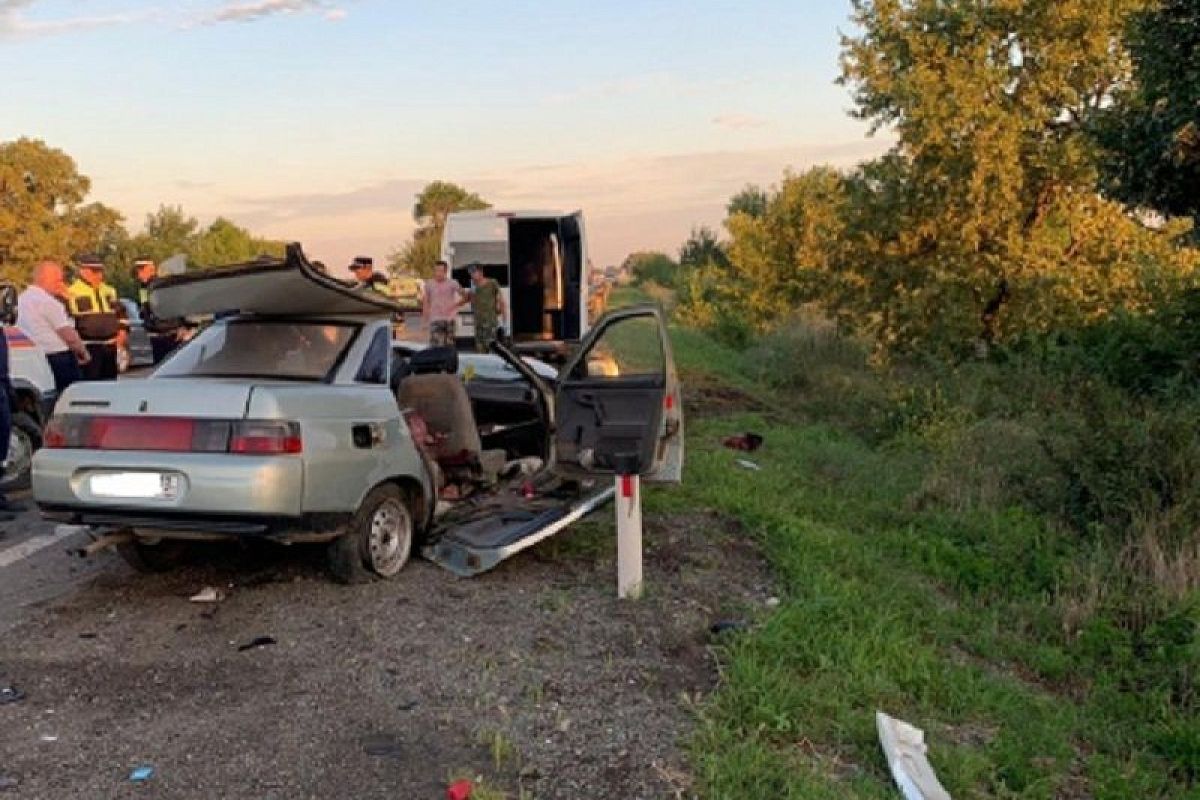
(383, 745)
(409, 706)
(7, 782)
(10, 694)
(904, 746)
(750, 465)
(209, 594)
(88, 635)
(743, 441)
(257, 641)
(141, 774)
(49, 738)
(460, 790)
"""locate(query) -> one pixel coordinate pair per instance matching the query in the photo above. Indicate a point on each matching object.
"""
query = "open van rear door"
(617, 406)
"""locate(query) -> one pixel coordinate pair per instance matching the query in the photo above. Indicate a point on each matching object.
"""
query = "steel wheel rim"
(389, 537)
(20, 455)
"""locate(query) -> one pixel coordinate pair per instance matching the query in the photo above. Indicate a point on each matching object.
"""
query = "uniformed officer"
(365, 276)
(99, 318)
(164, 334)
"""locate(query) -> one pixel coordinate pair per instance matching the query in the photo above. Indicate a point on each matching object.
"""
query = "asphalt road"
(36, 566)
(533, 677)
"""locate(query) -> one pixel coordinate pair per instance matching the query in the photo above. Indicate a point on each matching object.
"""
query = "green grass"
(951, 620)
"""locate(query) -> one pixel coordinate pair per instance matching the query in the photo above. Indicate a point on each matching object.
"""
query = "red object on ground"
(627, 486)
(459, 790)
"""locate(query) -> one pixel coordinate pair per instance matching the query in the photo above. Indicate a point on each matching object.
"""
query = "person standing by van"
(440, 307)
(487, 307)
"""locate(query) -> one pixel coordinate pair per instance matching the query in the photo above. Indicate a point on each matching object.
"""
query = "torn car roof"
(286, 287)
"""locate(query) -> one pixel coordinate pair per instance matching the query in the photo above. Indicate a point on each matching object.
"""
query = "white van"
(539, 258)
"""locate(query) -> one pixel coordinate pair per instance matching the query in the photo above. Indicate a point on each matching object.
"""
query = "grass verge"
(949, 618)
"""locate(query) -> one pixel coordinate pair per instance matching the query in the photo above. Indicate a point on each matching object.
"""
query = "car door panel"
(617, 409)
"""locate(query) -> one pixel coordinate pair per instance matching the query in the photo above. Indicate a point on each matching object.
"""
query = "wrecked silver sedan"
(295, 418)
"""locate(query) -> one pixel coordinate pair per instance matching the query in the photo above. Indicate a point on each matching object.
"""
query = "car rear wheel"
(379, 540)
(161, 555)
(23, 441)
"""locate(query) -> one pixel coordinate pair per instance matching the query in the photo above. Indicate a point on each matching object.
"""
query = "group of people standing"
(81, 325)
(443, 297)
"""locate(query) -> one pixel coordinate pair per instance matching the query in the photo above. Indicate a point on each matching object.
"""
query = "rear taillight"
(172, 435)
(254, 437)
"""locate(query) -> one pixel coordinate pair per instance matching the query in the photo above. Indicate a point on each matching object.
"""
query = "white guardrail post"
(629, 537)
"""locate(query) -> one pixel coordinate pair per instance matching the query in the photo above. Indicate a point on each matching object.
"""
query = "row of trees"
(1017, 199)
(45, 213)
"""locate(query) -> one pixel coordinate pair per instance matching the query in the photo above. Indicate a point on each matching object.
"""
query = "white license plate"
(136, 485)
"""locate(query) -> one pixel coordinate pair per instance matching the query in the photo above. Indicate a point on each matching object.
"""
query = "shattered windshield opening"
(282, 350)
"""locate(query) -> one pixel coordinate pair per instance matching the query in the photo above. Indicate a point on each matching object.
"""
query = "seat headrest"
(434, 360)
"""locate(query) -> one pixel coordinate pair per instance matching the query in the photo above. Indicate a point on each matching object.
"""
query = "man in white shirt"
(42, 317)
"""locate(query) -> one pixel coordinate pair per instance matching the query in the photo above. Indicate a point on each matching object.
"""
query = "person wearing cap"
(365, 276)
(99, 318)
(487, 307)
(164, 334)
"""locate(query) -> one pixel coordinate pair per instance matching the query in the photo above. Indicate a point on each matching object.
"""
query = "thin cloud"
(739, 122)
(336, 14)
(15, 24)
(260, 9)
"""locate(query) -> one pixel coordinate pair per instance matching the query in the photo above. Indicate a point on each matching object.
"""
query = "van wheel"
(378, 541)
(162, 556)
(23, 442)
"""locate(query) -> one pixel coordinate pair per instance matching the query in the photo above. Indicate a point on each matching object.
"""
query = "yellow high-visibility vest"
(83, 299)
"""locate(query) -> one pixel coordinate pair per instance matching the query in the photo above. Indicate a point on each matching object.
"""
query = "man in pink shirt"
(442, 299)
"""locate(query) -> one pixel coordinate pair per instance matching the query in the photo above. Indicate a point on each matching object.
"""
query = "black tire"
(25, 440)
(379, 540)
(163, 556)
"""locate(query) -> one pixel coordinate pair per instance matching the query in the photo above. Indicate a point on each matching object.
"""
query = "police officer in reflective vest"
(164, 334)
(99, 318)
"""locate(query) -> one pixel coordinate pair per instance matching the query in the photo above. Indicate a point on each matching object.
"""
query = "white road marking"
(19, 552)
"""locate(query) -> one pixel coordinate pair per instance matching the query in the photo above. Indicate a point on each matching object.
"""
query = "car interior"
(477, 431)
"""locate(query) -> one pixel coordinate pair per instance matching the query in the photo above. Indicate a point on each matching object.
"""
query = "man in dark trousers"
(164, 334)
(99, 317)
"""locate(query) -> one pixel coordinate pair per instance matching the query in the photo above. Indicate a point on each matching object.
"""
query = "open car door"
(617, 406)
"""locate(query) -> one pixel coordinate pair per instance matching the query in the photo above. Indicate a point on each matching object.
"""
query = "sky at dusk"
(318, 121)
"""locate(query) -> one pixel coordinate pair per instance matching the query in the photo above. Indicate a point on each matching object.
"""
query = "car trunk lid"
(170, 397)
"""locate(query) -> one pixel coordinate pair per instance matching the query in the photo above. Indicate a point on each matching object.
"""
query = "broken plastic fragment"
(460, 790)
(750, 465)
(141, 774)
(10, 694)
(904, 746)
(209, 594)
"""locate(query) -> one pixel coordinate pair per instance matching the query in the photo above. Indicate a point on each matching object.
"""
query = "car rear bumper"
(209, 485)
(288, 530)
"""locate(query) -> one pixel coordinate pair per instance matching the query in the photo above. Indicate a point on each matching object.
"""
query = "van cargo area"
(540, 262)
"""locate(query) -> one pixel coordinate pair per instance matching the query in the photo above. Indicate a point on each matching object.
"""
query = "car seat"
(442, 401)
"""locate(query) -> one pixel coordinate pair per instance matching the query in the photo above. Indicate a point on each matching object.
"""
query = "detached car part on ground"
(296, 419)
